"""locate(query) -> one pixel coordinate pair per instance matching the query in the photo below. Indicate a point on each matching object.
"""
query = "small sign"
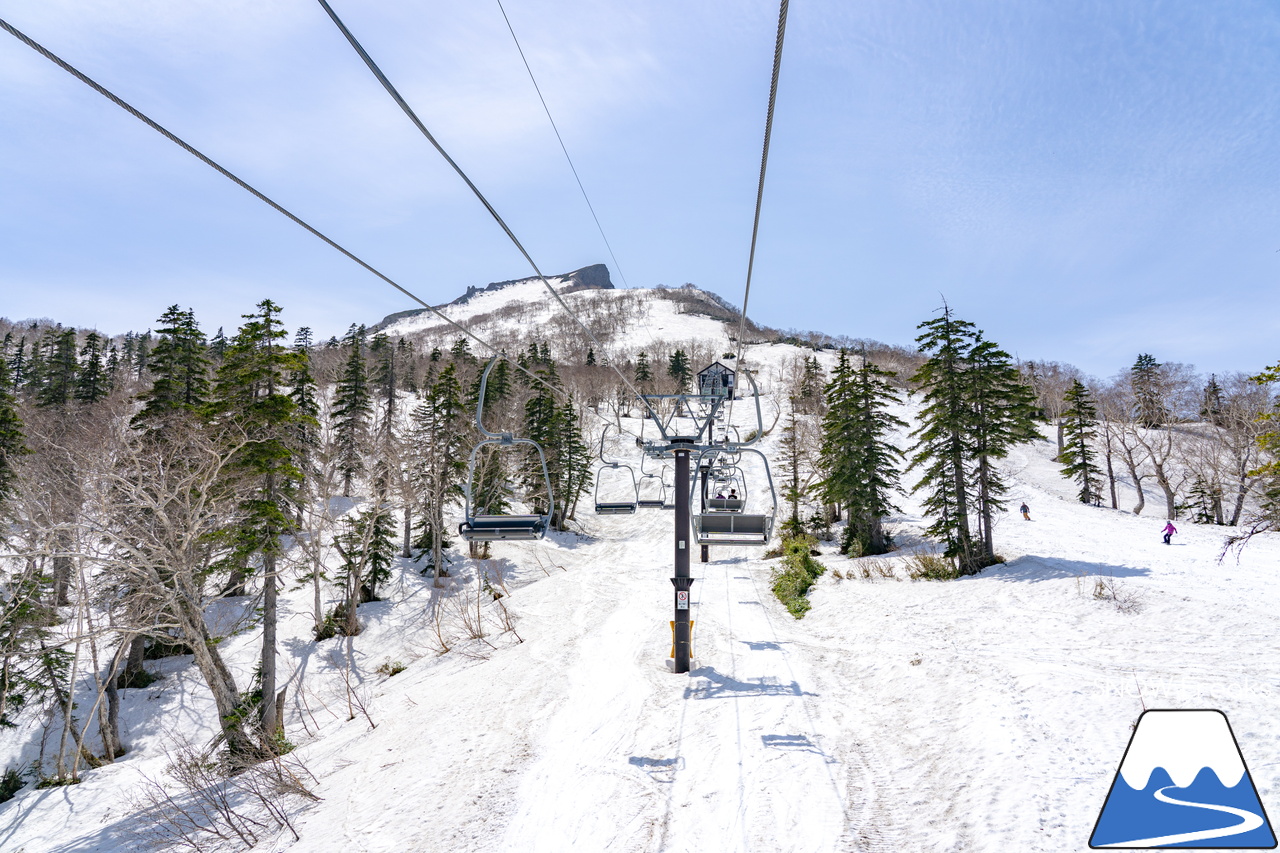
(682, 600)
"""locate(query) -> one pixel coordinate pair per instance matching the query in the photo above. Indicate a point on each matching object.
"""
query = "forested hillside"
(221, 552)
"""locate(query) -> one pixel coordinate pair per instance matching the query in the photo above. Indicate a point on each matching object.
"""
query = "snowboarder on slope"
(1169, 530)
(1025, 510)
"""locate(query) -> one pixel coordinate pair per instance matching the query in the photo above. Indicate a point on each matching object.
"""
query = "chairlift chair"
(723, 525)
(615, 507)
(484, 527)
(654, 495)
(723, 521)
(727, 481)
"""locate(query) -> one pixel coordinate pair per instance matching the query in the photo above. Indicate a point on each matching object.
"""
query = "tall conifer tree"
(860, 462)
(1080, 427)
(250, 393)
(352, 407)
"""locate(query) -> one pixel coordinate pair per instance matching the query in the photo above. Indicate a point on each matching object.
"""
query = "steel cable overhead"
(764, 163)
(120, 102)
(565, 149)
(408, 111)
(559, 139)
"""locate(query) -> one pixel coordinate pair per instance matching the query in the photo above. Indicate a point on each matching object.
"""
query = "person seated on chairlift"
(733, 494)
(720, 496)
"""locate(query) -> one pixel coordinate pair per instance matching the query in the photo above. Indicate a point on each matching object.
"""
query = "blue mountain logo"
(1183, 783)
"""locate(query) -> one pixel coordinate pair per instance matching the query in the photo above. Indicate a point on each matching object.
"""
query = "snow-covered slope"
(985, 714)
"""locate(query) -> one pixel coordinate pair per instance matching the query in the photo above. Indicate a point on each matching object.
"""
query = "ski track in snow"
(985, 714)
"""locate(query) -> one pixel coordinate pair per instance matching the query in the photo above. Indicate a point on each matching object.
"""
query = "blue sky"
(1085, 181)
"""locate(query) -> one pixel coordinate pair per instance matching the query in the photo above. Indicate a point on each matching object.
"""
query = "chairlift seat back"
(724, 504)
(732, 528)
(497, 528)
(615, 508)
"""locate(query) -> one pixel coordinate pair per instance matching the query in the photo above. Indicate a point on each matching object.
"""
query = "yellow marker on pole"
(692, 622)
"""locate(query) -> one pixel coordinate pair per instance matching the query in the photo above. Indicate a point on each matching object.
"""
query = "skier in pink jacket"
(1169, 530)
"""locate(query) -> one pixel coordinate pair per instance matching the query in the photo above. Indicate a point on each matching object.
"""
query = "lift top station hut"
(716, 380)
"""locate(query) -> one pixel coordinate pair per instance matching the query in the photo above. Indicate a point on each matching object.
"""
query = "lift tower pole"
(682, 581)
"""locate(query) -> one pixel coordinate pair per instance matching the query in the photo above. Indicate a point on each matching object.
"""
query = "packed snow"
(983, 714)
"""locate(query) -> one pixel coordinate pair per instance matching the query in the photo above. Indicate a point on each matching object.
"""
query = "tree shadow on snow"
(1032, 568)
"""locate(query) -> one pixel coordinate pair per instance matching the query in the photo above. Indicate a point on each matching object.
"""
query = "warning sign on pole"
(682, 600)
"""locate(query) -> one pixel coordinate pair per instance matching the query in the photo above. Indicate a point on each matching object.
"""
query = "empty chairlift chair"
(479, 526)
(651, 490)
(620, 496)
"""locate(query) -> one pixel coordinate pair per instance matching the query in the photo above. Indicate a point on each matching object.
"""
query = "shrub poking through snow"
(932, 567)
(799, 570)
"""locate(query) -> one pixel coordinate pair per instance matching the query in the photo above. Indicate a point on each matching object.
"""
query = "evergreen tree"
(12, 440)
(572, 459)
(461, 351)
(404, 352)
(142, 354)
(794, 459)
(809, 394)
(1212, 406)
(1145, 380)
(943, 447)
(249, 393)
(60, 371)
(439, 459)
(679, 370)
(367, 548)
(1080, 422)
(218, 347)
(977, 408)
(112, 367)
(591, 357)
(384, 378)
(33, 371)
(91, 381)
(352, 406)
(179, 368)
(859, 460)
(1003, 416)
(643, 372)
(302, 391)
(18, 365)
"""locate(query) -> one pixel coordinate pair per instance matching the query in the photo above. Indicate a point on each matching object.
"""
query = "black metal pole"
(682, 581)
(703, 470)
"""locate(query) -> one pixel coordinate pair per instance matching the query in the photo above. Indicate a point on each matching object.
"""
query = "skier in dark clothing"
(1169, 530)
(1025, 510)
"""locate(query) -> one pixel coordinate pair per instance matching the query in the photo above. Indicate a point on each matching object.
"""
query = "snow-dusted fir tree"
(1080, 430)
(859, 460)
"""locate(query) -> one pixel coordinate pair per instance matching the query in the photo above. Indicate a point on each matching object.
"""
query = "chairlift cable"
(563, 148)
(764, 163)
(138, 114)
(408, 111)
